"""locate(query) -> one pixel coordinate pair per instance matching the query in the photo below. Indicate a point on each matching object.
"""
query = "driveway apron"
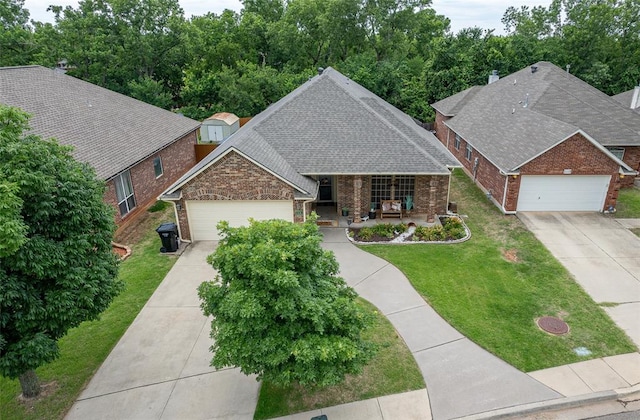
(602, 255)
(462, 378)
(160, 367)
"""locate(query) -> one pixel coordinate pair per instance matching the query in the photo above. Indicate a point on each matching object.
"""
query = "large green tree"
(16, 38)
(279, 310)
(57, 268)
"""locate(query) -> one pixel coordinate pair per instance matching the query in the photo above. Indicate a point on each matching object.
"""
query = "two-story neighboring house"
(137, 148)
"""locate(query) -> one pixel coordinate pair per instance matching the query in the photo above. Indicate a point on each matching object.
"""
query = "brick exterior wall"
(575, 153)
(234, 178)
(632, 158)
(430, 196)
(177, 159)
(441, 129)
(354, 192)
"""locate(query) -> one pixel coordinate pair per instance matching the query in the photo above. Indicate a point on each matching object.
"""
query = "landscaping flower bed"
(450, 230)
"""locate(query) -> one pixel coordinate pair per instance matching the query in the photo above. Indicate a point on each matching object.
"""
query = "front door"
(325, 194)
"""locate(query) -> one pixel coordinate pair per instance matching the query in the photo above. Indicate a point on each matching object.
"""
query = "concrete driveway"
(602, 255)
(160, 367)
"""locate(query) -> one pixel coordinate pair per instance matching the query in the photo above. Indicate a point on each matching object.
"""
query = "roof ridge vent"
(320, 71)
(534, 69)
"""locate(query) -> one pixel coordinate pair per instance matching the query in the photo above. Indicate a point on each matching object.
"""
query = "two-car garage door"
(563, 193)
(205, 215)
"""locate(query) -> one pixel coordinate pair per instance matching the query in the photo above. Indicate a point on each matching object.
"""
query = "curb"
(556, 404)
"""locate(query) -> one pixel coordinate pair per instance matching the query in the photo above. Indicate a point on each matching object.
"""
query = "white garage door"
(563, 193)
(205, 215)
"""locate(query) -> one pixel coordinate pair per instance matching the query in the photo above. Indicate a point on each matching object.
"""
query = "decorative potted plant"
(408, 203)
(345, 211)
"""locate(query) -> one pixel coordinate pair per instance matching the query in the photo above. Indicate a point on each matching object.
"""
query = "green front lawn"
(83, 350)
(391, 371)
(628, 204)
(493, 287)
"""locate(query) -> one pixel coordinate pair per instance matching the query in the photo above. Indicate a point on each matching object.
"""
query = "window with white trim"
(457, 142)
(157, 167)
(124, 193)
(617, 151)
(468, 152)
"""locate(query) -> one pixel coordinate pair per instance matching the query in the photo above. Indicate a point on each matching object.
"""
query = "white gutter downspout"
(311, 200)
(304, 212)
(449, 188)
(175, 212)
(504, 195)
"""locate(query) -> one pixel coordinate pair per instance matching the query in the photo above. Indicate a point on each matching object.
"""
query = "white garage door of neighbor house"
(205, 215)
(563, 192)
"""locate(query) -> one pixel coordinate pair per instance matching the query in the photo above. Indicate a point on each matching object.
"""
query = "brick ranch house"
(137, 148)
(541, 139)
(329, 142)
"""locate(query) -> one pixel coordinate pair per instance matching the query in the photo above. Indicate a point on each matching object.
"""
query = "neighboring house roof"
(227, 117)
(451, 105)
(110, 131)
(521, 116)
(625, 98)
(331, 125)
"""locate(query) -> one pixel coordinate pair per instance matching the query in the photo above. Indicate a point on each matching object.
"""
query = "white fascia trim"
(223, 154)
(591, 140)
(162, 197)
(381, 173)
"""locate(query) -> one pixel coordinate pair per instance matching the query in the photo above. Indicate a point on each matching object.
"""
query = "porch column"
(433, 199)
(357, 198)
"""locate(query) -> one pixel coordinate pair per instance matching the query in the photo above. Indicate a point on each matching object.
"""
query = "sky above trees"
(462, 13)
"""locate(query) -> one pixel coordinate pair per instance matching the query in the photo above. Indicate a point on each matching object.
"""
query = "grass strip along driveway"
(83, 350)
(628, 204)
(494, 286)
(392, 370)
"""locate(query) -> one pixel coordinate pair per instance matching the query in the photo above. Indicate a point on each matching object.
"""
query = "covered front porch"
(366, 195)
(329, 216)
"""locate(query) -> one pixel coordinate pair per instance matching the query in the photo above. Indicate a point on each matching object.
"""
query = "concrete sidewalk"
(463, 380)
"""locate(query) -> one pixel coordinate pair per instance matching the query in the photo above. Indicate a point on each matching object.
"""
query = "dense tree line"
(241, 62)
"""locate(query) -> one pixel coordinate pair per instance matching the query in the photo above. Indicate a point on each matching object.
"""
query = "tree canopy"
(279, 310)
(57, 267)
(241, 62)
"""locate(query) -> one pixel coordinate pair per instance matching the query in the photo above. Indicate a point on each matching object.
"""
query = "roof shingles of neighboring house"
(625, 98)
(332, 125)
(110, 131)
(526, 113)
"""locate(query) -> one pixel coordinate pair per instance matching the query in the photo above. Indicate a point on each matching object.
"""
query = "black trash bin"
(169, 235)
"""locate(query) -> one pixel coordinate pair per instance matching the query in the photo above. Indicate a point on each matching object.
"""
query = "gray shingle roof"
(108, 130)
(332, 125)
(625, 99)
(524, 114)
(451, 105)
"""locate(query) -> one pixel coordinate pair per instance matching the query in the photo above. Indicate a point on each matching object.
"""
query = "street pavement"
(160, 368)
